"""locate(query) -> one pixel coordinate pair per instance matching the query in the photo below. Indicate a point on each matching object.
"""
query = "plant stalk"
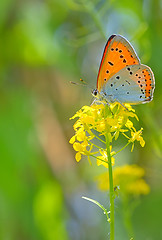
(111, 189)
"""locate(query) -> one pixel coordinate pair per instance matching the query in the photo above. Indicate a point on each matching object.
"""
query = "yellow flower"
(80, 148)
(72, 139)
(101, 126)
(137, 136)
(81, 135)
(98, 121)
(102, 160)
(129, 124)
(138, 187)
(129, 178)
(78, 156)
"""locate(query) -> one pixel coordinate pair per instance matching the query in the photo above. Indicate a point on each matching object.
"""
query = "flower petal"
(78, 156)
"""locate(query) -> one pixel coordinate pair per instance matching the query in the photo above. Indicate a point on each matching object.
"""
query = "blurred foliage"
(43, 46)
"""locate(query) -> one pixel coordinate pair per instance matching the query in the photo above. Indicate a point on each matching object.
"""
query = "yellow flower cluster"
(129, 178)
(95, 121)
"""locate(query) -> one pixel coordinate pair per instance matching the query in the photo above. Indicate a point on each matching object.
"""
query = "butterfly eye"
(95, 92)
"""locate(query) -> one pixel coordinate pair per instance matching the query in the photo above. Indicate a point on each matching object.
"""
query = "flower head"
(129, 178)
(95, 121)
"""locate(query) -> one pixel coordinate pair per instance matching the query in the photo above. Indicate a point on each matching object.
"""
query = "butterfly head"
(95, 93)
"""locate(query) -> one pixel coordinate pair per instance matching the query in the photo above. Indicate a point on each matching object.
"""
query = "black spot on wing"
(127, 82)
(110, 63)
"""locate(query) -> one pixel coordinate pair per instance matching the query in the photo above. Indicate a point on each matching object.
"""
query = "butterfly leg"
(108, 103)
(96, 101)
(121, 104)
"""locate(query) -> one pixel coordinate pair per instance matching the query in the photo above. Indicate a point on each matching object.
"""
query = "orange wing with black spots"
(150, 83)
(118, 53)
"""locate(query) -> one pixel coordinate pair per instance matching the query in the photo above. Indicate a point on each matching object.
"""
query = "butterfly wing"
(133, 84)
(118, 53)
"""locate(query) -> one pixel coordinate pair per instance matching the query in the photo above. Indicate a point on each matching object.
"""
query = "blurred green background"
(43, 46)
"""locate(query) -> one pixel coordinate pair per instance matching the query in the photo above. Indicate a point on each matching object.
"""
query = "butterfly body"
(122, 78)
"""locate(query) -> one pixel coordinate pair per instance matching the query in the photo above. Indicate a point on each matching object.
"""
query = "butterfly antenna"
(83, 83)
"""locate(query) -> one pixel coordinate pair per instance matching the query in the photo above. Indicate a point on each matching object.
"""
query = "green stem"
(98, 204)
(111, 191)
(94, 145)
(99, 139)
(122, 148)
(91, 134)
(98, 158)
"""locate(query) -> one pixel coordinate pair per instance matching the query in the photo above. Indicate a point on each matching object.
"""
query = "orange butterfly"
(121, 76)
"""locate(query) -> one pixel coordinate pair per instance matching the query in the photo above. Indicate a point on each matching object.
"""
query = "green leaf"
(99, 205)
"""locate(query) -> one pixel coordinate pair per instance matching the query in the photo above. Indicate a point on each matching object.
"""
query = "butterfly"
(121, 76)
